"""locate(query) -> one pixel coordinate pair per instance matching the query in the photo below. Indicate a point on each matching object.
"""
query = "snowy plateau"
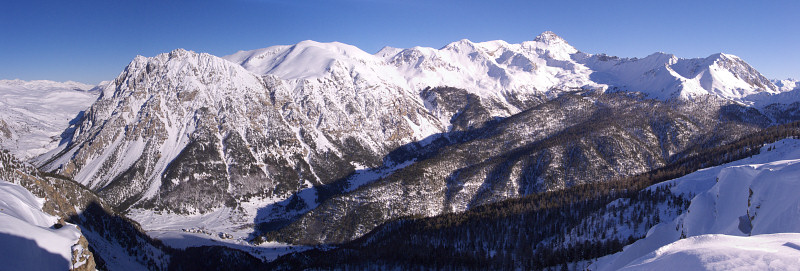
(300, 148)
(35, 115)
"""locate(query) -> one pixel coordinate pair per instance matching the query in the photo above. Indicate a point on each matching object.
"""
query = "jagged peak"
(179, 54)
(552, 44)
(723, 56)
(179, 66)
(175, 54)
(180, 51)
(550, 38)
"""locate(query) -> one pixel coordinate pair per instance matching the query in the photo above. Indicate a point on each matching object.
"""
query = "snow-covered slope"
(779, 251)
(753, 198)
(35, 114)
(28, 238)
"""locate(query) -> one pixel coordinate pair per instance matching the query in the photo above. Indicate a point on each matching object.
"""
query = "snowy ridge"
(754, 197)
(789, 93)
(34, 114)
(29, 242)
(498, 70)
(494, 67)
(664, 76)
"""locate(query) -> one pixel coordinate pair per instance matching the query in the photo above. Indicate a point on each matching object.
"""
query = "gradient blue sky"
(90, 41)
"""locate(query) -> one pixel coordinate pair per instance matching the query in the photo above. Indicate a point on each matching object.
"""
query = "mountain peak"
(460, 45)
(180, 52)
(554, 46)
(306, 59)
(723, 56)
(548, 37)
(388, 51)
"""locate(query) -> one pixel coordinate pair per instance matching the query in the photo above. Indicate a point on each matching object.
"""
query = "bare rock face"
(82, 258)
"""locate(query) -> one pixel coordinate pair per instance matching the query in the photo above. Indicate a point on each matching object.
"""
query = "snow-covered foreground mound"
(34, 114)
(755, 199)
(780, 251)
(28, 240)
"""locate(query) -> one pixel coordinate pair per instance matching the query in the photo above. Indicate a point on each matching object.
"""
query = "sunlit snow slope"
(779, 251)
(28, 240)
(744, 215)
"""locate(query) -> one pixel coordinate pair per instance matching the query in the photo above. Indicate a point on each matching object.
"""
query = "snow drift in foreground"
(744, 216)
(27, 236)
(780, 251)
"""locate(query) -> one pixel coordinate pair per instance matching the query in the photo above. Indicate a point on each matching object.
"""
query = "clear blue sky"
(90, 41)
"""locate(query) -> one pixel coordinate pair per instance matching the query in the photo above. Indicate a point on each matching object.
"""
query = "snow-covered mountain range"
(787, 84)
(547, 65)
(319, 105)
(313, 132)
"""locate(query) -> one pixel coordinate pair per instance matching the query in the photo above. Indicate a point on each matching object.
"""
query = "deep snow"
(27, 236)
(744, 215)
